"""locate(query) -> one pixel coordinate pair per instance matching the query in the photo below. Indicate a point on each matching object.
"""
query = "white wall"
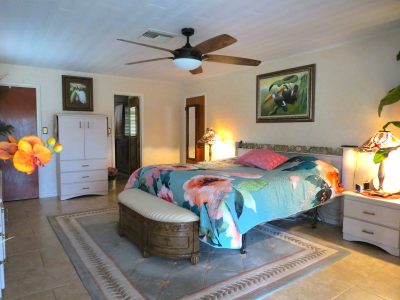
(350, 81)
(160, 121)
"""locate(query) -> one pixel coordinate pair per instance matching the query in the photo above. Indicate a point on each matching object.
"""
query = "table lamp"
(209, 138)
(381, 139)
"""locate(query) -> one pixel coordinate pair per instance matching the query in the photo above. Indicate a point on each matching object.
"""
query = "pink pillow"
(262, 158)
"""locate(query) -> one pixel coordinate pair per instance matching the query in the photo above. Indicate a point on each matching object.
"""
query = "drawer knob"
(368, 232)
(85, 165)
(86, 176)
(368, 213)
(85, 188)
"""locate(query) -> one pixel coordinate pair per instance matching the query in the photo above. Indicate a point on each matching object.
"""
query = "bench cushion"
(154, 208)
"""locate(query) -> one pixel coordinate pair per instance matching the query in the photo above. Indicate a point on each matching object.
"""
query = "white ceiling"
(80, 35)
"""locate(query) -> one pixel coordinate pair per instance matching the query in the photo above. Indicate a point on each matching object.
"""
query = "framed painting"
(286, 96)
(77, 93)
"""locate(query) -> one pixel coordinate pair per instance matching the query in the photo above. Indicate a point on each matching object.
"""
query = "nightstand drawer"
(370, 232)
(372, 213)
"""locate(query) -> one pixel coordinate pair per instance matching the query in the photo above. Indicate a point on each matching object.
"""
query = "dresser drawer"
(84, 176)
(372, 213)
(83, 165)
(84, 187)
(371, 232)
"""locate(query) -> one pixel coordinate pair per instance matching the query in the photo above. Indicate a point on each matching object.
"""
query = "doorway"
(195, 128)
(127, 133)
(18, 108)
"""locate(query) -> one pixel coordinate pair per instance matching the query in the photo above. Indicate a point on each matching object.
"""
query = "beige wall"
(350, 81)
(160, 102)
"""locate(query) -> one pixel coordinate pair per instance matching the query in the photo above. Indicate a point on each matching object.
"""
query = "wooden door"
(95, 137)
(134, 134)
(127, 133)
(195, 128)
(71, 134)
(18, 108)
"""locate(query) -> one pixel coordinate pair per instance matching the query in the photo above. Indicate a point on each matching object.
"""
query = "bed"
(230, 199)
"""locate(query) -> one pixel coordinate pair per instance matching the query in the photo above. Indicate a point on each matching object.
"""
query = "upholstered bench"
(158, 227)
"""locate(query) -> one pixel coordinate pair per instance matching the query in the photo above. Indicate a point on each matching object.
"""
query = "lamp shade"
(187, 63)
(381, 139)
(209, 138)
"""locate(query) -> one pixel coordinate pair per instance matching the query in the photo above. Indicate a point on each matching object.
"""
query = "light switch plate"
(45, 130)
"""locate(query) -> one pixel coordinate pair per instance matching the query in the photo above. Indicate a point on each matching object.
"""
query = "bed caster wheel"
(194, 259)
(145, 254)
(243, 251)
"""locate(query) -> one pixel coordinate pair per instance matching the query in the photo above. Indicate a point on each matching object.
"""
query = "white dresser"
(82, 164)
(372, 220)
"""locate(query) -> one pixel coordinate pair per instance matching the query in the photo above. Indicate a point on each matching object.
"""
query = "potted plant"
(5, 128)
(391, 97)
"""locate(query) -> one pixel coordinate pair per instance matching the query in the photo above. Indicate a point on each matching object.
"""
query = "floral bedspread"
(231, 199)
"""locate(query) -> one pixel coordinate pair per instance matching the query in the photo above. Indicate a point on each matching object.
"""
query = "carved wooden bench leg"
(145, 254)
(194, 259)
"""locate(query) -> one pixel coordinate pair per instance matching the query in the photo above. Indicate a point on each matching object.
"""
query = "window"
(130, 121)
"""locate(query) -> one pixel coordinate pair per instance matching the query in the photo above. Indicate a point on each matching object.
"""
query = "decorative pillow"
(262, 158)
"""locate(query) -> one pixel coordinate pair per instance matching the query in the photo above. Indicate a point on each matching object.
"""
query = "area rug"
(111, 267)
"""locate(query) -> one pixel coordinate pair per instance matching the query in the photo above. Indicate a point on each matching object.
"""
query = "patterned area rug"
(111, 267)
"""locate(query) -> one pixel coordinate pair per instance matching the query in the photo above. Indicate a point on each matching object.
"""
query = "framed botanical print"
(286, 96)
(77, 93)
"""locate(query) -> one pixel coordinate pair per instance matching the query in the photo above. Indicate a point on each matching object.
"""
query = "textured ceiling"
(80, 35)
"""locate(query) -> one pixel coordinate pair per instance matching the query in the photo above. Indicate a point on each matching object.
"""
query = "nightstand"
(372, 220)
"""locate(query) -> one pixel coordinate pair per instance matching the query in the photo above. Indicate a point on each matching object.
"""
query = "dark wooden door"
(195, 128)
(18, 108)
(127, 133)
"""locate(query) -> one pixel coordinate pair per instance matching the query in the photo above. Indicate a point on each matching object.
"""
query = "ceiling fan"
(190, 58)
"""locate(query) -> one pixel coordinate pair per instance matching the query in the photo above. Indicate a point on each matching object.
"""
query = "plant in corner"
(391, 97)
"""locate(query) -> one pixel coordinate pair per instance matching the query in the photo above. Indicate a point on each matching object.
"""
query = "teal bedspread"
(230, 199)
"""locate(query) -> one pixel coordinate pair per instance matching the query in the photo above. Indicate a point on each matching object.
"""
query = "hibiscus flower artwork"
(207, 192)
(166, 194)
(206, 188)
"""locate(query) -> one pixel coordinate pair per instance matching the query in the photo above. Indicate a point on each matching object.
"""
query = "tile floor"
(38, 268)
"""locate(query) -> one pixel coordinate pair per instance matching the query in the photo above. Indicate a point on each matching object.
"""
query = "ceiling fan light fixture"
(187, 63)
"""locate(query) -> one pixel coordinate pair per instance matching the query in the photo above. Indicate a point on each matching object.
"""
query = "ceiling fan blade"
(145, 45)
(231, 60)
(197, 71)
(147, 60)
(215, 43)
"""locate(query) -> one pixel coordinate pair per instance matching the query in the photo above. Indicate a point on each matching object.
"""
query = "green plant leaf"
(252, 185)
(5, 128)
(381, 155)
(238, 203)
(248, 200)
(395, 123)
(391, 97)
(316, 180)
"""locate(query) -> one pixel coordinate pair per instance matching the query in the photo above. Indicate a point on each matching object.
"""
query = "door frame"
(38, 124)
(183, 118)
(141, 114)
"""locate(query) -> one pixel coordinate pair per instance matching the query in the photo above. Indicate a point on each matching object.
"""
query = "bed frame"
(332, 211)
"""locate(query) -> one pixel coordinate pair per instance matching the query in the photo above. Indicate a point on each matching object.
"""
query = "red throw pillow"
(262, 158)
